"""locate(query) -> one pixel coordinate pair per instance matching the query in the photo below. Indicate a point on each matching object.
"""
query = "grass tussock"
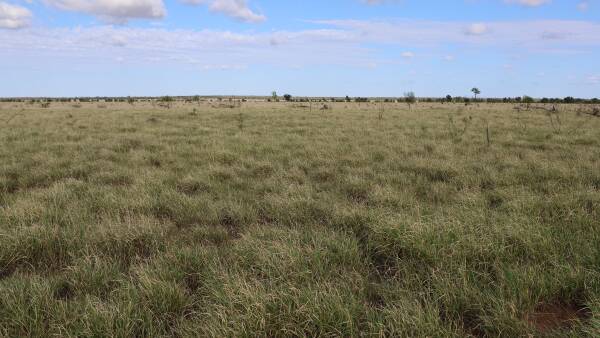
(137, 221)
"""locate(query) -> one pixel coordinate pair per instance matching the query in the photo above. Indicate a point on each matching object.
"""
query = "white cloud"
(118, 40)
(517, 35)
(525, 3)
(477, 29)
(114, 11)
(379, 2)
(201, 49)
(553, 35)
(408, 55)
(528, 3)
(593, 79)
(583, 6)
(14, 17)
(237, 9)
(337, 42)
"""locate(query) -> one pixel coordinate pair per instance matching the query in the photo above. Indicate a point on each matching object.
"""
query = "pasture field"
(273, 219)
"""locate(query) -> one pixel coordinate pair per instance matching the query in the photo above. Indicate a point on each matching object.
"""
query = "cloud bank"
(14, 17)
(237, 9)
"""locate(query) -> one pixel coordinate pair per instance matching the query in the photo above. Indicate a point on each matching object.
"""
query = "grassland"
(276, 220)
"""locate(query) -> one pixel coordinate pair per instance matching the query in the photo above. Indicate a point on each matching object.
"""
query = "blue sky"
(311, 47)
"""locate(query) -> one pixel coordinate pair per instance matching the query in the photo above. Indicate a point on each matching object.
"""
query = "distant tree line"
(289, 98)
(75, 99)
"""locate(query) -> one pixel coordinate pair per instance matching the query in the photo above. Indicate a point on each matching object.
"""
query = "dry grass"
(270, 220)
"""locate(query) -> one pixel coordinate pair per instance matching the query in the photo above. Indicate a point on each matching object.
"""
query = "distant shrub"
(527, 99)
(410, 98)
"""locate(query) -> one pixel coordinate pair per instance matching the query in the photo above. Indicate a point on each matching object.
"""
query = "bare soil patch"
(555, 316)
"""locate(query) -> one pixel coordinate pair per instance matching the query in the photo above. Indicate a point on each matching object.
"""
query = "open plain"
(287, 219)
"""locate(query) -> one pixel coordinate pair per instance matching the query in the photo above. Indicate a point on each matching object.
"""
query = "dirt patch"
(472, 324)
(64, 291)
(555, 316)
(7, 271)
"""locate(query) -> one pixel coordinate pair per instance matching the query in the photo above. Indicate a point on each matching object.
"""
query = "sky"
(540, 48)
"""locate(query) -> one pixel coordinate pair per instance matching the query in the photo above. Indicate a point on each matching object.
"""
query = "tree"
(166, 101)
(287, 97)
(476, 92)
(274, 96)
(410, 98)
(448, 98)
(569, 99)
(528, 100)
